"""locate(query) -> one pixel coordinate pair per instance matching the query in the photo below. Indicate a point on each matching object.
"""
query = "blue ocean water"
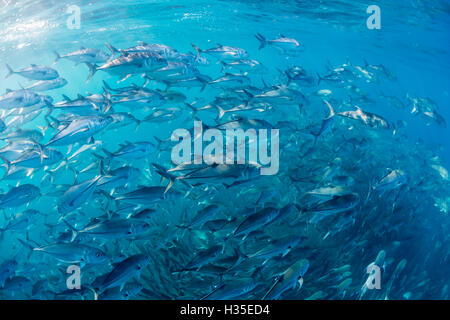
(407, 221)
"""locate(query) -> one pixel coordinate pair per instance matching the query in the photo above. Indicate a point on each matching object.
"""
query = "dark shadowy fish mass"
(89, 180)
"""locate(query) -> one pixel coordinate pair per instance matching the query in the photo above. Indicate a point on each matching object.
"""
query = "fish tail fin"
(106, 87)
(138, 124)
(197, 49)
(221, 112)
(108, 105)
(288, 76)
(264, 83)
(58, 57)
(240, 257)
(194, 110)
(92, 70)
(27, 245)
(44, 128)
(72, 228)
(168, 84)
(165, 174)
(366, 64)
(249, 95)
(262, 40)
(159, 142)
(10, 71)
(113, 50)
(204, 85)
(40, 150)
(3, 230)
(6, 163)
(332, 113)
(108, 154)
(224, 65)
(102, 167)
(319, 78)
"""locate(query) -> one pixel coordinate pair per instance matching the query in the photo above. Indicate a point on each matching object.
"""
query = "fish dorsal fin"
(282, 35)
(66, 97)
(79, 96)
(82, 48)
(142, 43)
(33, 65)
(8, 90)
(219, 45)
(127, 142)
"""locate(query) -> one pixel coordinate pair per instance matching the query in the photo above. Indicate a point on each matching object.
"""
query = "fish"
(290, 278)
(255, 221)
(85, 55)
(89, 175)
(163, 50)
(19, 196)
(126, 270)
(22, 221)
(233, 289)
(223, 52)
(77, 195)
(128, 291)
(426, 108)
(202, 216)
(147, 195)
(230, 81)
(300, 76)
(80, 128)
(370, 119)
(34, 72)
(337, 204)
(35, 158)
(74, 253)
(282, 43)
(244, 65)
(46, 85)
(394, 179)
(126, 65)
(17, 99)
(7, 270)
(277, 247)
(111, 229)
(80, 106)
(130, 151)
(16, 285)
(204, 257)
